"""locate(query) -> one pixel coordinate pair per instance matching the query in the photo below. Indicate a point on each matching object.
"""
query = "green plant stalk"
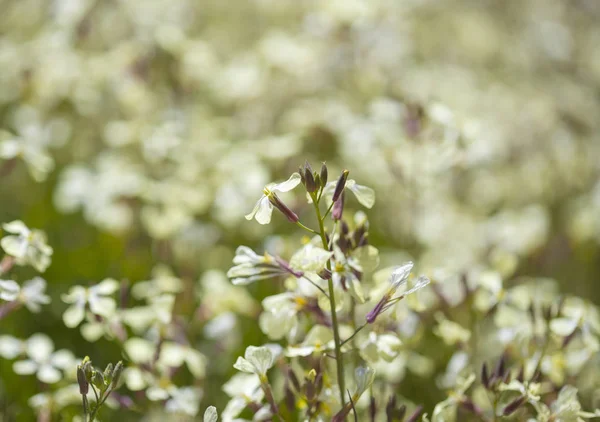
(334, 322)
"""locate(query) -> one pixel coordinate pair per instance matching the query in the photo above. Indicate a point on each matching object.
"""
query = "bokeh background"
(146, 130)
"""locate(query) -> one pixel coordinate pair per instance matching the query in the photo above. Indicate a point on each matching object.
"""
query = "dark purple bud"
(341, 184)
(469, 406)
(277, 203)
(323, 175)
(82, 381)
(290, 400)
(390, 408)
(485, 377)
(569, 338)
(309, 178)
(513, 406)
(500, 367)
(521, 374)
(338, 208)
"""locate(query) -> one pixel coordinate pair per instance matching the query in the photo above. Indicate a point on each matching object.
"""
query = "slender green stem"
(353, 334)
(334, 322)
(316, 285)
(299, 224)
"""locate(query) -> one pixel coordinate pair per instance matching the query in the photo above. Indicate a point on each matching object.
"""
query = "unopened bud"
(338, 208)
(116, 375)
(82, 381)
(277, 203)
(323, 175)
(325, 274)
(513, 406)
(98, 380)
(108, 373)
(309, 182)
(340, 185)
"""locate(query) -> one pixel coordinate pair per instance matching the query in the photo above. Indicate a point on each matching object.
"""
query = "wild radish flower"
(96, 296)
(251, 267)
(364, 378)
(256, 360)
(33, 294)
(29, 247)
(264, 207)
(43, 361)
(398, 278)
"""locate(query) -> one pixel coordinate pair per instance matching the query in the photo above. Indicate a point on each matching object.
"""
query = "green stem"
(299, 224)
(328, 210)
(334, 322)
(353, 334)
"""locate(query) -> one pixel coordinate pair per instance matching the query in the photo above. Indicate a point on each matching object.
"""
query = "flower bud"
(98, 380)
(325, 274)
(82, 381)
(338, 208)
(309, 181)
(277, 203)
(341, 184)
(108, 373)
(116, 375)
(323, 175)
(513, 406)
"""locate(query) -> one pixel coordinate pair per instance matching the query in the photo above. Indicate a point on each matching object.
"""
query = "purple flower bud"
(278, 203)
(513, 406)
(341, 184)
(338, 208)
(323, 175)
(82, 381)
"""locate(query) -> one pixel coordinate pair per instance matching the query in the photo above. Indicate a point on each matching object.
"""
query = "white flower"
(280, 316)
(251, 267)
(210, 415)
(398, 278)
(9, 290)
(183, 400)
(256, 360)
(43, 361)
(33, 294)
(95, 296)
(174, 355)
(264, 208)
(29, 247)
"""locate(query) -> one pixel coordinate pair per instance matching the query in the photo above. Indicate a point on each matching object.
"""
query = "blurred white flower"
(97, 297)
(43, 361)
(11, 347)
(33, 294)
(29, 247)
(256, 360)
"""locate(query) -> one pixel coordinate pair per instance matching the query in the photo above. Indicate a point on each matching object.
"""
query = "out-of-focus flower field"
(135, 135)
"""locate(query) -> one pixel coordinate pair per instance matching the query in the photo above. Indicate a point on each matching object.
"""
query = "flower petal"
(103, 306)
(9, 290)
(106, 287)
(265, 209)
(364, 194)
(210, 415)
(288, 185)
(39, 347)
(73, 315)
(49, 374)
(25, 367)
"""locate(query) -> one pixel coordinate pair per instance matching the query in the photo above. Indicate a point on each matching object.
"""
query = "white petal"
(92, 332)
(49, 374)
(103, 306)
(210, 415)
(16, 227)
(255, 209)
(422, 281)
(63, 359)
(76, 294)
(156, 393)
(105, 287)
(39, 347)
(9, 290)
(265, 209)
(243, 365)
(261, 357)
(25, 367)
(73, 315)
(172, 354)
(289, 184)
(15, 246)
(10, 347)
(139, 350)
(196, 363)
(364, 194)
(134, 379)
(400, 274)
